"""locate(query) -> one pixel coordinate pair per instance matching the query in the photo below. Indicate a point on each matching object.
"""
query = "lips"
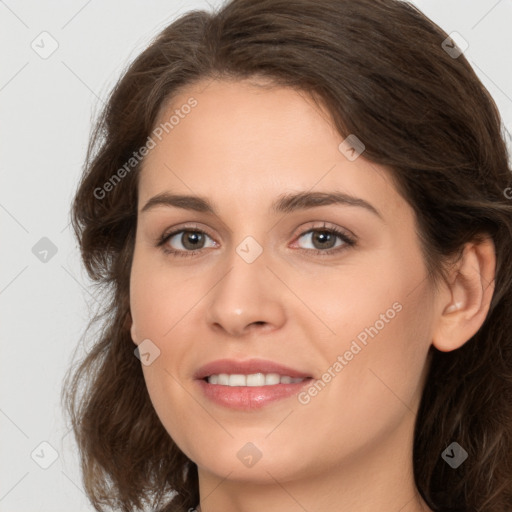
(244, 397)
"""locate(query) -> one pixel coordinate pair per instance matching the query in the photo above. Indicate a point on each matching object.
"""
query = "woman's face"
(262, 276)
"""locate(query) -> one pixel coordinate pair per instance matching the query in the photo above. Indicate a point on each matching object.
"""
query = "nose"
(247, 298)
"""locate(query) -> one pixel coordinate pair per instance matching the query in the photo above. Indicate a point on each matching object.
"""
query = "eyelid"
(183, 227)
(327, 226)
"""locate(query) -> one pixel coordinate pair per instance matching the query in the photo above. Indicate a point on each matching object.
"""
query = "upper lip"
(246, 367)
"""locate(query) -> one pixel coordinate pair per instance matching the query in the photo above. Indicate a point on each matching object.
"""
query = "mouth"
(249, 385)
(251, 380)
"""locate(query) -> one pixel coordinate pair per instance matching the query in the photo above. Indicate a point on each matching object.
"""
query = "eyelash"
(348, 241)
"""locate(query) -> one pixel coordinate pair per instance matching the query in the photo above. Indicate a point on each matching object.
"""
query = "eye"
(324, 240)
(191, 241)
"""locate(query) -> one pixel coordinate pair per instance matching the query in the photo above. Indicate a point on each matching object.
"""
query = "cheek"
(159, 303)
(381, 317)
(158, 297)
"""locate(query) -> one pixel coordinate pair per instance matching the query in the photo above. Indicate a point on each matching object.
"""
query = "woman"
(298, 211)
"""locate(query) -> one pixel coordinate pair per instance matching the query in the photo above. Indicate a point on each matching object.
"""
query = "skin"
(350, 447)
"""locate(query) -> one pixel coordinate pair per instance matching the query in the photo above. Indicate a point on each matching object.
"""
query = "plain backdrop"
(48, 103)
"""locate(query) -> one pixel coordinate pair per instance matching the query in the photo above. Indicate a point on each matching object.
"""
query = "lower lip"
(247, 398)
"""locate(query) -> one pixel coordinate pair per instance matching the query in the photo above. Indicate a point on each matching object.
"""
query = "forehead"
(251, 141)
(246, 118)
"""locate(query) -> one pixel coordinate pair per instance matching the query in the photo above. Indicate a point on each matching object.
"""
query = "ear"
(464, 302)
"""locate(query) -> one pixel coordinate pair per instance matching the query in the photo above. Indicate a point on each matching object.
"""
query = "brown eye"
(192, 240)
(324, 240)
(184, 242)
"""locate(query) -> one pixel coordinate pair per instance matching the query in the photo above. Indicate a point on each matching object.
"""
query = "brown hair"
(380, 69)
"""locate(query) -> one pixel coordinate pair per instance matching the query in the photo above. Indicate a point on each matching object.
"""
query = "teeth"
(223, 379)
(271, 379)
(237, 380)
(254, 379)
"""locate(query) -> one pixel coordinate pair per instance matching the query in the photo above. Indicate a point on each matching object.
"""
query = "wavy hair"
(381, 70)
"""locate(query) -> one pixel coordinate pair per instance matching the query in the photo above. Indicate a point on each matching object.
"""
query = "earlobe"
(470, 290)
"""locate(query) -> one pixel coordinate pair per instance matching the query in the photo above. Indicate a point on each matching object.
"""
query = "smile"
(252, 380)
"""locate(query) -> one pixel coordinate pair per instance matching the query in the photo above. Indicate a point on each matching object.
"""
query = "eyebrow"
(285, 203)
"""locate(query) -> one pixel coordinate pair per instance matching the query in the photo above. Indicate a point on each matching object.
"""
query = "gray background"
(47, 107)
